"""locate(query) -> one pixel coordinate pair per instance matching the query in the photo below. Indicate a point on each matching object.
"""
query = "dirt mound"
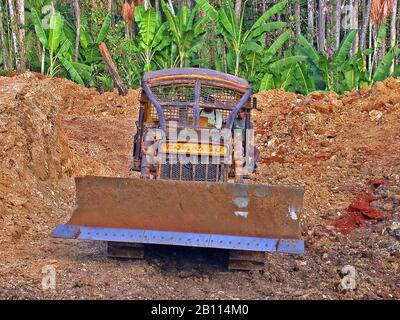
(330, 144)
(37, 160)
(34, 153)
(80, 101)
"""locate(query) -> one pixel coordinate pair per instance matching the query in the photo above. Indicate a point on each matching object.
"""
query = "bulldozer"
(193, 159)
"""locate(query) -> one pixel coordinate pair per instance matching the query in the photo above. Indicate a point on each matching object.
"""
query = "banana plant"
(383, 70)
(89, 43)
(152, 36)
(285, 73)
(187, 33)
(266, 70)
(343, 72)
(166, 58)
(355, 71)
(239, 40)
(51, 42)
(59, 49)
(328, 72)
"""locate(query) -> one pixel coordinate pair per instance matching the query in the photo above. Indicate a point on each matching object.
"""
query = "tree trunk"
(171, 6)
(238, 8)
(310, 20)
(213, 47)
(3, 40)
(122, 90)
(393, 24)
(9, 45)
(297, 14)
(370, 45)
(264, 8)
(355, 26)
(111, 10)
(329, 27)
(338, 16)
(77, 12)
(43, 59)
(364, 26)
(157, 5)
(20, 15)
(382, 50)
(14, 32)
(321, 26)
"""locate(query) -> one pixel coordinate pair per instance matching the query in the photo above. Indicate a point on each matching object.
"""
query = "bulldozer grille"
(191, 172)
(183, 115)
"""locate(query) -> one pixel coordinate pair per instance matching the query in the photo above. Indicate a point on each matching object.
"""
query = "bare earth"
(345, 151)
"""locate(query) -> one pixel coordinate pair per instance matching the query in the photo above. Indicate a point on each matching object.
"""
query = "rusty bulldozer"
(191, 191)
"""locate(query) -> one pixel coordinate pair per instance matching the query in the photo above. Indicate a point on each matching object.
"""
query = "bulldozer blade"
(218, 215)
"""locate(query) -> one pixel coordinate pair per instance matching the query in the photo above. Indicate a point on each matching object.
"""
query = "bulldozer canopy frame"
(193, 89)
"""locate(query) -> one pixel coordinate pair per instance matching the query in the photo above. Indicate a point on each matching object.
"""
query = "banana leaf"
(41, 34)
(271, 26)
(55, 32)
(287, 62)
(74, 75)
(104, 29)
(275, 46)
(308, 49)
(381, 34)
(339, 57)
(383, 70)
(208, 9)
(303, 81)
(267, 82)
(85, 72)
(269, 13)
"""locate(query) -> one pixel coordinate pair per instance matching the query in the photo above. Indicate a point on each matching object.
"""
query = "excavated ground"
(345, 151)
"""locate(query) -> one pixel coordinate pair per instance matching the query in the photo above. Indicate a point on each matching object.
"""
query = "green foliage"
(383, 70)
(338, 72)
(60, 49)
(104, 82)
(152, 36)
(41, 34)
(186, 33)
(261, 49)
(104, 29)
(126, 57)
(240, 41)
(343, 72)
(56, 28)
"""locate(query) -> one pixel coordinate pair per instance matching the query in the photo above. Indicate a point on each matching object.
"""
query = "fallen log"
(122, 90)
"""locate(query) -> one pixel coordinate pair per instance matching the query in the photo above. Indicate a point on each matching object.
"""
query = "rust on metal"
(179, 74)
(110, 202)
(224, 82)
(77, 233)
